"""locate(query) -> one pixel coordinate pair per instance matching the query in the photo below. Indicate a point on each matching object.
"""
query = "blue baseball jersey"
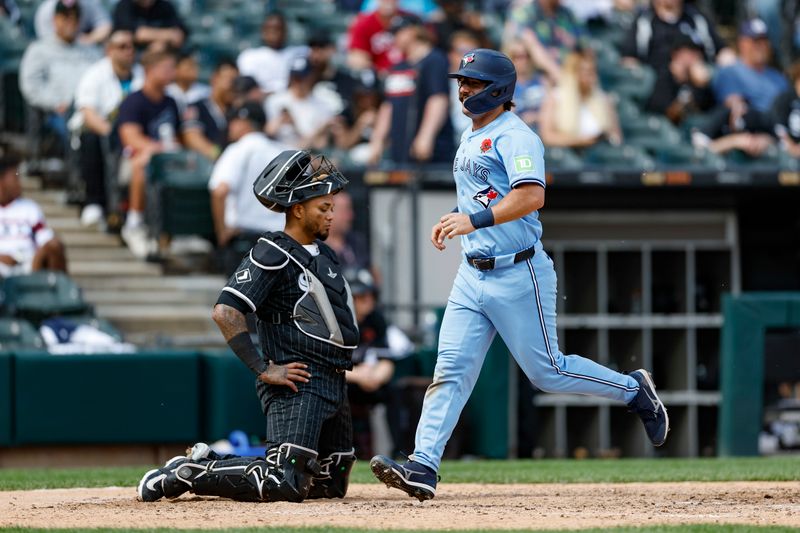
(489, 163)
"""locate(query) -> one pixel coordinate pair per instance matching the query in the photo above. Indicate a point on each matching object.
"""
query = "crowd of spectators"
(378, 93)
(116, 83)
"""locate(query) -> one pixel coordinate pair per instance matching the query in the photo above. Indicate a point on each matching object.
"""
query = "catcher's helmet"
(490, 66)
(295, 176)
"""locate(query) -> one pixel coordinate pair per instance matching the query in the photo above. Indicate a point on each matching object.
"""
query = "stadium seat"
(684, 155)
(18, 334)
(12, 105)
(769, 160)
(650, 132)
(635, 83)
(607, 56)
(627, 157)
(787, 162)
(627, 109)
(556, 159)
(43, 294)
(178, 201)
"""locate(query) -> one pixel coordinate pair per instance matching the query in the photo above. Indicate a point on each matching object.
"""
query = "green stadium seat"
(561, 159)
(43, 294)
(692, 122)
(178, 201)
(18, 334)
(607, 56)
(628, 109)
(634, 83)
(625, 157)
(788, 162)
(684, 155)
(650, 132)
(768, 160)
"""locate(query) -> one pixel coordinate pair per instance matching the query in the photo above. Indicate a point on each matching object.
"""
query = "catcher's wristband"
(243, 347)
(482, 219)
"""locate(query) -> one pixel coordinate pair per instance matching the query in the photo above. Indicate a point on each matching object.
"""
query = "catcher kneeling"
(307, 330)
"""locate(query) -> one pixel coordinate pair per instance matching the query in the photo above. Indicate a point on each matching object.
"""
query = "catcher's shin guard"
(295, 466)
(285, 475)
(334, 476)
(242, 478)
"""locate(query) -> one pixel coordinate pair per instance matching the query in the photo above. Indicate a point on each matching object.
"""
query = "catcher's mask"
(295, 176)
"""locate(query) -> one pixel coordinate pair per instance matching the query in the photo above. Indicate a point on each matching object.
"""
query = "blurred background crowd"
(109, 84)
(155, 116)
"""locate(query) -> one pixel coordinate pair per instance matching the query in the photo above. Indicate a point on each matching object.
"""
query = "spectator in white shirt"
(269, 64)
(100, 92)
(239, 219)
(27, 244)
(297, 116)
(186, 90)
(94, 25)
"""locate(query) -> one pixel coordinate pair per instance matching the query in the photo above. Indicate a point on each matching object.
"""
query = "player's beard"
(318, 230)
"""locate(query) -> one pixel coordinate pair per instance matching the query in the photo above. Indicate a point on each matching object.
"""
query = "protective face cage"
(295, 176)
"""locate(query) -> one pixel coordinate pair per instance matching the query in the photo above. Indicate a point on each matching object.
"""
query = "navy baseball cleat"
(649, 407)
(413, 478)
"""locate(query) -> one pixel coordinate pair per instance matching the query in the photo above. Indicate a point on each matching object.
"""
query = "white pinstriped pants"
(519, 303)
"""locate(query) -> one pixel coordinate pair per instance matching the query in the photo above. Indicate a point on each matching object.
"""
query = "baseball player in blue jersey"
(506, 283)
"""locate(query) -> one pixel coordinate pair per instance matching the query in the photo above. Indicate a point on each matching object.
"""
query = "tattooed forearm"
(230, 321)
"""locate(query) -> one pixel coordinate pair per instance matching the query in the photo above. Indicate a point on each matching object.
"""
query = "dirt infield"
(455, 507)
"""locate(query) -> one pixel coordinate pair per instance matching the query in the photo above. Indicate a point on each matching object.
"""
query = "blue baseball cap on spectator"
(754, 29)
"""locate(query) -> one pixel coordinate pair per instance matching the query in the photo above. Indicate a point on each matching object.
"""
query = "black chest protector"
(325, 311)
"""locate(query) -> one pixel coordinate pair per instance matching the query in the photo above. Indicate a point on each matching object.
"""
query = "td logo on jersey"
(523, 163)
(485, 196)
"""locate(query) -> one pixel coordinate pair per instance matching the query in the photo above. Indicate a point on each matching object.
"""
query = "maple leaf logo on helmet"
(469, 58)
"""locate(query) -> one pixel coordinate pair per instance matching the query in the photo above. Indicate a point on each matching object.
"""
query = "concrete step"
(161, 319)
(198, 283)
(93, 239)
(171, 297)
(99, 253)
(68, 223)
(30, 184)
(47, 197)
(52, 211)
(113, 269)
(212, 340)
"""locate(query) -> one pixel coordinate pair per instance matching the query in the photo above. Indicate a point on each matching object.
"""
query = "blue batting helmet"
(490, 66)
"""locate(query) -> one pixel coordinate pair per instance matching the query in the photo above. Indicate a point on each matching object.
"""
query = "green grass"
(695, 528)
(785, 468)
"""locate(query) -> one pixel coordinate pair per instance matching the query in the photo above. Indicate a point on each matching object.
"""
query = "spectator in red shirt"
(371, 44)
